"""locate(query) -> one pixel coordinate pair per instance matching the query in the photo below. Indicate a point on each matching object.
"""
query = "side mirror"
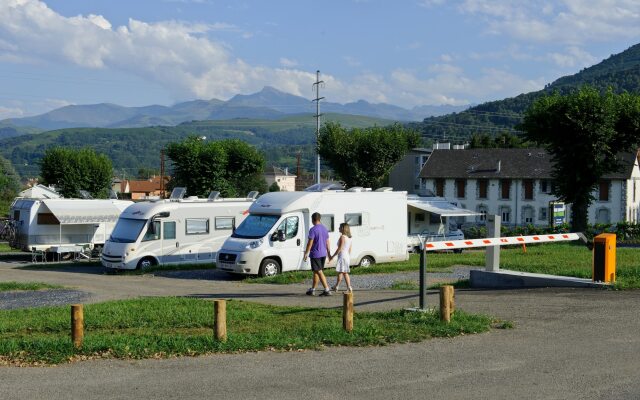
(278, 236)
(152, 228)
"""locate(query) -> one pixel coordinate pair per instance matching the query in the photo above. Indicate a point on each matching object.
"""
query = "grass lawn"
(564, 259)
(4, 248)
(10, 286)
(164, 327)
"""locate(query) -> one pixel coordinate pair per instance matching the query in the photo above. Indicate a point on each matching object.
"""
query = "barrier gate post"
(492, 255)
(423, 274)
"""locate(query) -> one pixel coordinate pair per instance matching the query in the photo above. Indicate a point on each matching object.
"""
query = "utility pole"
(162, 173)
(316, 86)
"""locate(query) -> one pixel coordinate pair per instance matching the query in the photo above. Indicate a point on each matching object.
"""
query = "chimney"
(498, 166)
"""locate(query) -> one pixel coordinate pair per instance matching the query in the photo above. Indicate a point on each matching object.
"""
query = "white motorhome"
(64, 225)
(175, 231)
(273, 237)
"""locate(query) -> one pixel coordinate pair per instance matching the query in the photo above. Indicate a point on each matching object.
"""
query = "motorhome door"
(169, 244)
(291, 249)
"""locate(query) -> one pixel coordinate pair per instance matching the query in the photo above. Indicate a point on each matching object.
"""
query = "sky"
(404, 52)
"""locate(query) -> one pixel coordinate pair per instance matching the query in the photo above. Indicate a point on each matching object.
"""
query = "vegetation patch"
(12, 286)
(5, 248)
(170, 326)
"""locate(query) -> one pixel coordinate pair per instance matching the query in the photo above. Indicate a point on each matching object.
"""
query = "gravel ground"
(383, 281)
(40, 298)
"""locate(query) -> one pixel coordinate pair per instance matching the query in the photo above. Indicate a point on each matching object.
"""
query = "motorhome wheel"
(366, 261)
(269, 267)
(146, 262)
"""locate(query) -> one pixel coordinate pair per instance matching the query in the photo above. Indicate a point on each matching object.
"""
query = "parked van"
(63, 225)
(175, 231)
(273, 237)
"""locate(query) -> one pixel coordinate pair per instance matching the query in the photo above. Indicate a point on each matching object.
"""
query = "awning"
(85, 211)
(442, 208)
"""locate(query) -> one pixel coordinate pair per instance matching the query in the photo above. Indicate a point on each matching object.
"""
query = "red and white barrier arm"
(502, 241)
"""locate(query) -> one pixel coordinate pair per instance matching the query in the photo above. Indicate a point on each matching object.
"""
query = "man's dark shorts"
(317, 264)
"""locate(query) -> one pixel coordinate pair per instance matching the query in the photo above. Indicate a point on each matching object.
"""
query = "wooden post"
(220, 324)
(77, 325)
(347, 311)
(446, 301)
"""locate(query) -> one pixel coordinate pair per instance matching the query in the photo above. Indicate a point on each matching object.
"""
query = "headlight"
(255, 244)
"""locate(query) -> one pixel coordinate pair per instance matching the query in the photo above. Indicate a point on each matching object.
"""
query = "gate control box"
(604, 258)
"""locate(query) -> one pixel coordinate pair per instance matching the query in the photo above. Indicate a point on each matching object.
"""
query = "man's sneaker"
(326, 292)
(311, 292)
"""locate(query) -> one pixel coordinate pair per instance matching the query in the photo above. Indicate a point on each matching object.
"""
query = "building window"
(483, 210)
(603, 216)
(439, 187)
(527, 215)
(546, 186)
(603, 191)
(460, 186)
(505, 213)
(483, 188)
(528, 189)
(542, 215)
(505, 189)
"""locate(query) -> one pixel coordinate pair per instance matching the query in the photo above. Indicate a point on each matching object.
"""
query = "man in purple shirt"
(318, 248)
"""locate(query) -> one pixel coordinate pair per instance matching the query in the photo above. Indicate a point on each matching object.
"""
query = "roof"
(146, 186)
(441, 207)
(40, 192)
(77, 211)
(534, 163)
(276, 171)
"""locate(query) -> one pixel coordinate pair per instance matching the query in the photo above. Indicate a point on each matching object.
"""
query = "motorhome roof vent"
(178, 193)
(324, 187)
(213, 195)
(253, 194)
(384, 189)
(113, 195)
(356, 189)
(192, 198)
(85, 195)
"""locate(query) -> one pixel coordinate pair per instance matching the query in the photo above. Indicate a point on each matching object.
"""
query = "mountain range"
(267, 104)
(620, 72)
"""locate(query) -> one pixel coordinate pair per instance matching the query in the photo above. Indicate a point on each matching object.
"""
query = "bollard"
(347, 311)
(220, 323)
(446, 303)
(77, 325)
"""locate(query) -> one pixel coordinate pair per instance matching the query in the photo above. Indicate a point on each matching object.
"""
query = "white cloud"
(573, 57)
(288, 63)
(11, 112)
(565, 21)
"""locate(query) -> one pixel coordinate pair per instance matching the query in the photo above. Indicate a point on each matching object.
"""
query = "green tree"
(364, 157)
(584, 132)
(72, 170)
(274, 187)
(9, 180)
(231, 167)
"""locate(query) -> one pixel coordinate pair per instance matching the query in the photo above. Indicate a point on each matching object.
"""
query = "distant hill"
(133, 148)
(621, 72)
(269, 103)
(8, 130)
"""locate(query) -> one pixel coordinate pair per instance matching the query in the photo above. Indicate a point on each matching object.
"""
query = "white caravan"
(64, 225)
(173, 231)
(435, 219)
(273, 237)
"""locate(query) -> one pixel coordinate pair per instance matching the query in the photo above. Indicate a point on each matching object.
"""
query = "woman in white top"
(344, 256)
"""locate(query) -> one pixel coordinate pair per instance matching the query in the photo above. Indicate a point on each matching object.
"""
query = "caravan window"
(353, 219)
(224, 223)
(169, 230)
(152, 234)
(47, 219)
(327, 221)
(197, 226)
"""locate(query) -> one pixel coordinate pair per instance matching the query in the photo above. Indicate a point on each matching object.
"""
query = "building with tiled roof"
(517, 185)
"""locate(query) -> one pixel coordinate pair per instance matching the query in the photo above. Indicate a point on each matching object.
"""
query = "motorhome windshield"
(127, 230)
(255, 226)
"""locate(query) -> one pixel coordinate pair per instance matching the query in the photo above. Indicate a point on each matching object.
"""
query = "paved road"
(567, 344)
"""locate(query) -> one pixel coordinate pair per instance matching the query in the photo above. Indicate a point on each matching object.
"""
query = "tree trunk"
(579, 215)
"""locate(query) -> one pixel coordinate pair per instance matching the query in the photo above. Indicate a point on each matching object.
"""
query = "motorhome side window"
(327, 221)
(197, 226)
(224, 223)
(169, 230)
(290, 227)
(152, 233)
(353, 219)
